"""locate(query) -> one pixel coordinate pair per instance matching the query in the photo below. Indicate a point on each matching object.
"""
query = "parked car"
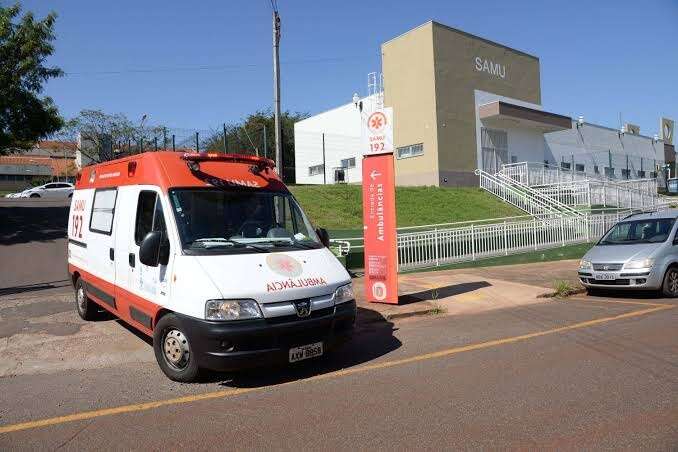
(53, 190)
(211, 256)
(639, 252)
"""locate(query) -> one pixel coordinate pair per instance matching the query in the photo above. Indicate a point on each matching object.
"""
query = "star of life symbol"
(376, 122)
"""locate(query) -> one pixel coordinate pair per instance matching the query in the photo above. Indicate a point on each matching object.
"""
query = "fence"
(537, 174)
(473, 240)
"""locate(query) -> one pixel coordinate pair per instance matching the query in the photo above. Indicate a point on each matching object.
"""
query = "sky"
(202, 63)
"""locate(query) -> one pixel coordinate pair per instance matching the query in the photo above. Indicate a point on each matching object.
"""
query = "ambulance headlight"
(232, 310)
(343, 294)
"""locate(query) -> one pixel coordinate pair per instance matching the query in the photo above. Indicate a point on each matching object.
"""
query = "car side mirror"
(324, 236)
(154, 249)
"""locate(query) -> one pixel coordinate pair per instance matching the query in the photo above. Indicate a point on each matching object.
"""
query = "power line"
(216, 68)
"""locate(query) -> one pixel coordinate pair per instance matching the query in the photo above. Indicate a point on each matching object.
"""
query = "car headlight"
(645, 263)
(585, 265)
(232, 310)
(343, 294)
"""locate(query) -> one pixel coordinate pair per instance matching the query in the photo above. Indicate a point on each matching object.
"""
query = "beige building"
(462, 102)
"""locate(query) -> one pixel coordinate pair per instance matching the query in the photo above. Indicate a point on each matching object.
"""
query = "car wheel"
(173, 350)
(87, 309)
(670, 285)
(35, 195)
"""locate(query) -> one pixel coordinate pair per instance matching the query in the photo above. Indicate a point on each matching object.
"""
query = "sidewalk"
(467, 291)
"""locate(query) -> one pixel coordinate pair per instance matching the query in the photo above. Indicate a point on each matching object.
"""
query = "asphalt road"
(591, 373)
(32, 244)
(584, 373)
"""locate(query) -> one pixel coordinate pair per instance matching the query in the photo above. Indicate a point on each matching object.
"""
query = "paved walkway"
(469, 290)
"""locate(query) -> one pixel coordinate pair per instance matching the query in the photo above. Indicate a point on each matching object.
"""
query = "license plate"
(306, 352)
(604, 276)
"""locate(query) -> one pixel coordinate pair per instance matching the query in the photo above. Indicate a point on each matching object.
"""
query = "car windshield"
(233, 221)
(639, 231)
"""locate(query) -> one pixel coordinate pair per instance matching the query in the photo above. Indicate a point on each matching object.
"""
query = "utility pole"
(276, 92)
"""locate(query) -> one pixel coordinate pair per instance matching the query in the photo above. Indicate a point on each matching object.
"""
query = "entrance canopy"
(501, 114)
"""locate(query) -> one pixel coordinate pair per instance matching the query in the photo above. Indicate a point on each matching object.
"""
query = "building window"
(653, 175)
(596, 169)
(316, 169)
(348, 163)
(339, 176)
(412, 150)
(641, 174)
(546, 163)
(103, 210)
(565, 165)
(514, 159)
(626, 174)
(579, 167)
(609, 172)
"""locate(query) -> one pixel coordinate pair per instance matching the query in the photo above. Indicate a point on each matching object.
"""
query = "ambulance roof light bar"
(193, 159)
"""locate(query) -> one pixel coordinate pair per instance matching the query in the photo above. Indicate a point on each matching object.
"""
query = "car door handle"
(132, 261)
(111, 254)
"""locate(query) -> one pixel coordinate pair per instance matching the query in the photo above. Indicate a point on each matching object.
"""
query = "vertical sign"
(379, 210)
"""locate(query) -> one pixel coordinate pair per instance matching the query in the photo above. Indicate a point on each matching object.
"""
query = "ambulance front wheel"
(173, 350)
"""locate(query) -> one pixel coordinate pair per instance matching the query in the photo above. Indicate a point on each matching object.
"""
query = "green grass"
(338, 208)
(6, 192)
(555, 254)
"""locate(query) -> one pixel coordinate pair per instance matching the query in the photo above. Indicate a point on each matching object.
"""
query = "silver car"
(640, 252)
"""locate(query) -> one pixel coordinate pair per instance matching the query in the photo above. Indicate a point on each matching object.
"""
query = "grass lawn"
(338, 208)
(554, 254)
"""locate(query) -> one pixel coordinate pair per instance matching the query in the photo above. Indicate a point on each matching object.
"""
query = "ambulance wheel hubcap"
(80, 297)
(176, 349)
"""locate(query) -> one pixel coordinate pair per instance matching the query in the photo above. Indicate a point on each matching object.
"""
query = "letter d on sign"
(379, 229)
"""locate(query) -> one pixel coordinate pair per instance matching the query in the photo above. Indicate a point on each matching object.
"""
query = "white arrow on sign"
(374, 174)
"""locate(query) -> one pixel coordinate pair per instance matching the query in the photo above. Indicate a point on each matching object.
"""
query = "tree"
(248, 137)
(25, 43)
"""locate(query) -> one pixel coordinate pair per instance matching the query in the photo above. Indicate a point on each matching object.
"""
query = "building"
(462, 102)
(47, 161)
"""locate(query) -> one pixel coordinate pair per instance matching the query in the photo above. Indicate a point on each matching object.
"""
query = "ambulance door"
(100, 243)
(149, 283)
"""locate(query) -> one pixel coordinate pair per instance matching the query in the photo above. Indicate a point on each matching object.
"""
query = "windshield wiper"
(281, 242)
(221, 241)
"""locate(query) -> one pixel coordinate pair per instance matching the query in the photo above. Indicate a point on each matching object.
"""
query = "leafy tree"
(25, 44)
(104, 135)
(248, 137)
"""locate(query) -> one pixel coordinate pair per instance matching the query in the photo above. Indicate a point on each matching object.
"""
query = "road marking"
(340, 373)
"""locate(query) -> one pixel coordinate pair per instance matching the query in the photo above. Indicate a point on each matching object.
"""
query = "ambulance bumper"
(228, 346)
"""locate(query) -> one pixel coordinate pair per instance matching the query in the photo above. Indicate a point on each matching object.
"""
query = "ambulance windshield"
(218, 221)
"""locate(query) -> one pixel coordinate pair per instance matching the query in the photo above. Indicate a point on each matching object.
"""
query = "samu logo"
(492, 68)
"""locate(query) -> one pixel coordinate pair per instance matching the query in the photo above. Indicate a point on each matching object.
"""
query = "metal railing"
(520, 198)
(470, 243)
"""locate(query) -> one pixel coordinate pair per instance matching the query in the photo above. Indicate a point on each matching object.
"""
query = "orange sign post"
(379, 209)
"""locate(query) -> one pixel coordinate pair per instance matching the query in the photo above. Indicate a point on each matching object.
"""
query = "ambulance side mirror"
(324, 236)
(154, 249)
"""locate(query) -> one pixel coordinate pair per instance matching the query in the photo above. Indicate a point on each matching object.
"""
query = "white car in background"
(53, 190)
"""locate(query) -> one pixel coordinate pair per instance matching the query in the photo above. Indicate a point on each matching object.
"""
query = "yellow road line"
(340, 373)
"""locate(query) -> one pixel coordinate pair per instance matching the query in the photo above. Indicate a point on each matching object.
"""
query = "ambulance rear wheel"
(173, 350)
(87, 309)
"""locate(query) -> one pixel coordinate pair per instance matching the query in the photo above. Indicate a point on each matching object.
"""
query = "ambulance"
(211, 256)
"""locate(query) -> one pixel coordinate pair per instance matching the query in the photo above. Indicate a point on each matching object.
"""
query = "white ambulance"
(211, 256)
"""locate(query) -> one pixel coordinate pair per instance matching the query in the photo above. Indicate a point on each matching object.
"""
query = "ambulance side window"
(149, 216)
(103, 210)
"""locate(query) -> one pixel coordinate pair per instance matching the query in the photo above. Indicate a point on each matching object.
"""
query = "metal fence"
(436, 245)
(447, 246)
